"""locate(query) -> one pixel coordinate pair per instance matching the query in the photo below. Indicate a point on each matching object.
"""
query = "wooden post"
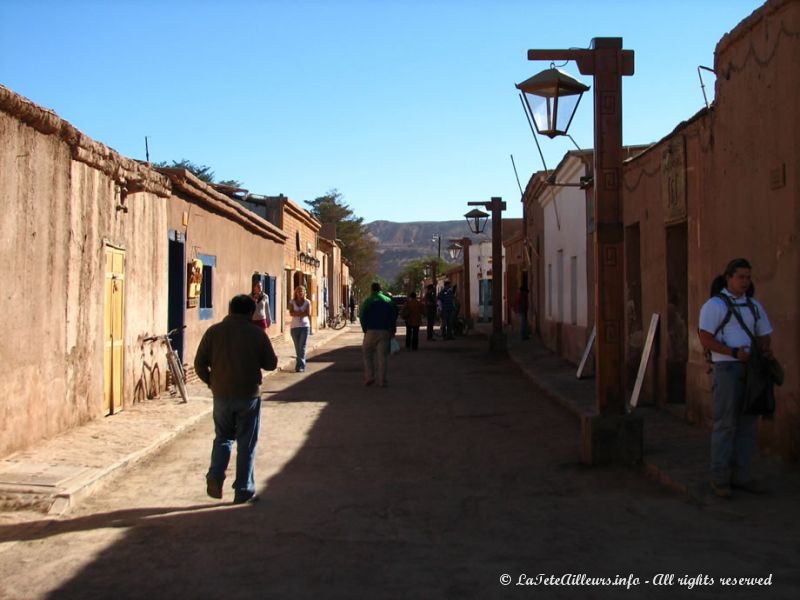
(607, 62)
(497, 343)
(465, 243)
(611, 435)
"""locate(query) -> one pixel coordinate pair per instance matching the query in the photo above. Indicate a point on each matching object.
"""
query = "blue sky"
(408, 108)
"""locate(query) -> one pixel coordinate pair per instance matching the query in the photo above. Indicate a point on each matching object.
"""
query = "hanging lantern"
(477, 219)
(552, 98)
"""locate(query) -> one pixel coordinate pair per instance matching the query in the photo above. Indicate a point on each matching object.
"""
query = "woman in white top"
(261, 314)
(300, 309)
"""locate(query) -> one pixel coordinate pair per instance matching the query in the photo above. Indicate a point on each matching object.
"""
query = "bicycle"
(338, 321)
(178, 376)
(461, 326)
(149, 385)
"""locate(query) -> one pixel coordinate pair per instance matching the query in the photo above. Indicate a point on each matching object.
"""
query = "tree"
(358, 246)
(202, 172)
(414, 273)
(231, 183)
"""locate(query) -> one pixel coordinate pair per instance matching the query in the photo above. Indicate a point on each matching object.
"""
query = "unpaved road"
(435, 487)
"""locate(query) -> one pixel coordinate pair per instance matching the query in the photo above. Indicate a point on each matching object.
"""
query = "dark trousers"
(431, 318)
(412, 336)
(447, 323)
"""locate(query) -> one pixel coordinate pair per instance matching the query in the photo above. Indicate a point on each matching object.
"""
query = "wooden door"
(113, 348)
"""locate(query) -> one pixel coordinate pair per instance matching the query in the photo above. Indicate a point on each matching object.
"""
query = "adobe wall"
(755, 211)
(141, 233)
(239, 253)
(298, 221)
(59, 206)
(534, 232)
(741, 189)
(512, 273)
(645, 207)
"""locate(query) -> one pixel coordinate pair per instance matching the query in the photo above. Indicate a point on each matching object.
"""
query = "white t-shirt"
(300, 321)
(732, 335)
(262, 310)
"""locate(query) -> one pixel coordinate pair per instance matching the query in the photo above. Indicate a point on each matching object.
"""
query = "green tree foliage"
(231, 183)
(358, 246)
(411, 277)
(202, 172)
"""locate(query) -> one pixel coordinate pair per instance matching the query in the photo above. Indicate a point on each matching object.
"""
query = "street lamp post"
(497, 341)
(436, 238)
(607, 62)
(461, 248)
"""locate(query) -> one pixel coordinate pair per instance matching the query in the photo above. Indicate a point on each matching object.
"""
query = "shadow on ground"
(434, 487)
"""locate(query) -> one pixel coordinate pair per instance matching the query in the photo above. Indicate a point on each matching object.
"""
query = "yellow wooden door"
(112, 330)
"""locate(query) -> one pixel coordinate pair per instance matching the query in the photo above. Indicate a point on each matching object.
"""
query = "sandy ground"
(456, 475)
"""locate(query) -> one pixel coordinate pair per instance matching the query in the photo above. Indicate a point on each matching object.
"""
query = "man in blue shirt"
(448, 302)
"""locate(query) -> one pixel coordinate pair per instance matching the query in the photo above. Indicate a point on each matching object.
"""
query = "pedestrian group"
(733, 328)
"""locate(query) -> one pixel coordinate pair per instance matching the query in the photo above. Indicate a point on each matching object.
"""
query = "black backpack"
(729, 303)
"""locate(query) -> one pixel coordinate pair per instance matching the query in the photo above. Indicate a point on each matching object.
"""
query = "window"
(271, 287)
(207, 287)
(550, 290)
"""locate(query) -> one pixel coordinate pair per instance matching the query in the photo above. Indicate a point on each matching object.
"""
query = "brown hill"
(400, 243)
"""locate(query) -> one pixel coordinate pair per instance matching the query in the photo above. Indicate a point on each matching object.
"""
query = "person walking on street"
(448, 302)
(300, 310)
(412, 314)
(261, 314)
(378, 322)
(352, 308)
(430, 309)
(733, 439)
(229, 360)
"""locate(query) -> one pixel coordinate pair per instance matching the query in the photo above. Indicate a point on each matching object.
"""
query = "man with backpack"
(733, 325)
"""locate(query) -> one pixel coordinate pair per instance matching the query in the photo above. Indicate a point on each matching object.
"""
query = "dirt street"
(456, 475)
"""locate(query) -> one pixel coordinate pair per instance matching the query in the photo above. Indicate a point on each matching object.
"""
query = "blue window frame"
(272, 288)
(206, 303)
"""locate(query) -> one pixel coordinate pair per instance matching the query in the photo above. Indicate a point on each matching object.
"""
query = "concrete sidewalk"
(676, 452)
(57, 473)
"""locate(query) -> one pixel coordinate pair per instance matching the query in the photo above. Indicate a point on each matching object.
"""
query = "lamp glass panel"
(566, 107)
(541, 108)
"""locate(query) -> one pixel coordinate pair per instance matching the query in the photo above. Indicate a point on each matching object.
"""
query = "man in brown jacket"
(412, 314)
(229, 360)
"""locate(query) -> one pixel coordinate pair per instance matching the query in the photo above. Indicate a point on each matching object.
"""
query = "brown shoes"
(213, 487)
(721, 490)
(754, 486)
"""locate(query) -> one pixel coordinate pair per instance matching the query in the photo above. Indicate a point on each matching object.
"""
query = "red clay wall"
(742, 164)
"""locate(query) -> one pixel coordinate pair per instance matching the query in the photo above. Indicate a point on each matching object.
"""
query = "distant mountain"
(400, 243)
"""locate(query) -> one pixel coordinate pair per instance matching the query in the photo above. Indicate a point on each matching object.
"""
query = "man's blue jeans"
(733, 437)
(447, 323)
(239, 420)
(300, 338)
